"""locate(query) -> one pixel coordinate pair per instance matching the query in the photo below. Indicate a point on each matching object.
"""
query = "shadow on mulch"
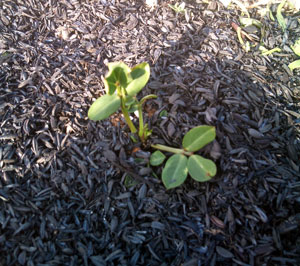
(63, 202)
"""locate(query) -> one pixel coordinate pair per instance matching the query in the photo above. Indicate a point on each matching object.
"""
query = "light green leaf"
(163, 113)
(246, 46)
(198, 137)
(104, 106)
(117, 75)
(279, 16)
(265, 51)
(138, 78)
(250, 21)
(157, 158)
(296, 47)
(178, 8)
(294, 65)
(201, 169)
(131, 104)
(175, 171)
(133, 108)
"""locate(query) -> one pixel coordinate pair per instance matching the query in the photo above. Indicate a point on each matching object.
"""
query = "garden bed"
(79, 192)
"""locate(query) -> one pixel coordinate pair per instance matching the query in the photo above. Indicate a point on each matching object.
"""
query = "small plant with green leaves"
(296, 50)
(185, 161)
(178, 8)
(122, 84)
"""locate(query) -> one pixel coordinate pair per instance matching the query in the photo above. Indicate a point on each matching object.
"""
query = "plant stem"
(121, 92)
(141, 122)
(170, 149)
(126, 116)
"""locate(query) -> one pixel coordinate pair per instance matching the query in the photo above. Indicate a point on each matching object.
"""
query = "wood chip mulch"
(71, 190)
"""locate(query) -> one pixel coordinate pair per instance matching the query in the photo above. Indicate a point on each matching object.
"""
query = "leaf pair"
(178, 166)
(120, 81)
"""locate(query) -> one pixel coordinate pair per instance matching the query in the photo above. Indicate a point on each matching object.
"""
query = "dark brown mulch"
(63, 202)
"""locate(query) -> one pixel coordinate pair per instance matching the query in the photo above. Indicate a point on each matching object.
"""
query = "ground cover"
(78, 192)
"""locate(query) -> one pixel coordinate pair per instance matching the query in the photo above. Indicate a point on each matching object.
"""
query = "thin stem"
(121, 90)
(170, 149)
(126, 116)
(141, 122)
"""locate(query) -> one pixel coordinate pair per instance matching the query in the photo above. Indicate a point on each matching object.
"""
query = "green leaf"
(265, 51)
(250, 21)
(178, 8)
(279, 16)
(295, 64)
(131, 104)
(198, 137)
(104, 106)
(163, 113)
(201, 169)
(130, 182)
(117, 75)
(138, 78)
(296, 47)
(133, 108)
(175, 171)
(145, 133)
(157, 158)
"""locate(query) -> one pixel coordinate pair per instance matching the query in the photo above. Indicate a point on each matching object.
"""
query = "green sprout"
(279, 16)
(294, 65)
(122, 84)
(296, 50)
(184, 161)
(265, 51)
(178, 8)
(296, 47)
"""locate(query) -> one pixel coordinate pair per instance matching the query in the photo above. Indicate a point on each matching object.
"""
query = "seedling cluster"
(122, 84)
(248, 24)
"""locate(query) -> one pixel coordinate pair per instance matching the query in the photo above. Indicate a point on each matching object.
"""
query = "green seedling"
(265, 51)
(269, 10)
(294, 65)
(178, 8)
(185, 161)
(296, 47)
(245, 46)
(122, 84)
(279, 16)
(246, 22)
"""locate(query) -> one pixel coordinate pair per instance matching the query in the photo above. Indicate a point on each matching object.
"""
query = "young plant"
(122, 84)
(178, 8)
(296, 47)
(184, 161)
(280, 18)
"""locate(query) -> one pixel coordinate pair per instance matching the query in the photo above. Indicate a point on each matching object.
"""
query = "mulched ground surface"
(65, 197)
